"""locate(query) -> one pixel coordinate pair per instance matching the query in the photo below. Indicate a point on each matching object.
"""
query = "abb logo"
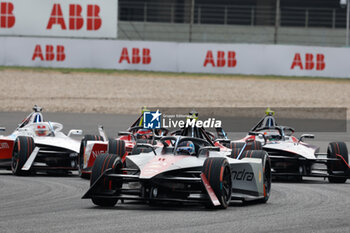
(49, 53)
(7, 19)
(221, 61)
(4, 145)
(136, 56)
(76, 20)
(309, 64)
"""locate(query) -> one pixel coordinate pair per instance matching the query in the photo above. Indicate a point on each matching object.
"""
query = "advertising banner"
(59, 18)
(248, 59)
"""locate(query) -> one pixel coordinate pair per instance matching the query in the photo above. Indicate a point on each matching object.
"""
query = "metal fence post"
(225, 15)
(347, 22)
(306, 18)
(191, 20)
(172, 13)
(277, 21)
(145, 12)
(252, 14)
(199, 15)
(334, 17)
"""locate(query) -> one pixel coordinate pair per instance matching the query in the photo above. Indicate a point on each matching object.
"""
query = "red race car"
(123, 145)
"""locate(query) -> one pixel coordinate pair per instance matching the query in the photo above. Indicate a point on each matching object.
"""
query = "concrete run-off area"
(127, 92)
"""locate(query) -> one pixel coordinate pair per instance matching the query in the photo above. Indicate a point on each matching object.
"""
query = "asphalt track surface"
(53, 204)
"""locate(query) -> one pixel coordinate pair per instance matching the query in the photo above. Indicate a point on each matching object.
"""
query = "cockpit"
(34, 117)
(35, 123)
(179, 145)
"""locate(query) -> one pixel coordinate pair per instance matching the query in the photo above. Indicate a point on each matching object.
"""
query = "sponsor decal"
(51, 53)
(138, 56)
(4, 145)
(312, 62)
(63, 18)
(7, 18)
(242, 175)
(96, 153)
(76, 20)
(223, 59)
(92, 150)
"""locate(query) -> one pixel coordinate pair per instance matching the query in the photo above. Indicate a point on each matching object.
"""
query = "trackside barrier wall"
(176, 57)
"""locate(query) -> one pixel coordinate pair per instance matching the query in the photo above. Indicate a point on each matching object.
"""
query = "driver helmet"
(186, 147)
(37, 118)
(269, 122)
(144, 134)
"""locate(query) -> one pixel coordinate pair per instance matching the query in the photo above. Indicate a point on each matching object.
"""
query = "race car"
(186, 170)
(293, 158)
(38, 145)
(123, 145)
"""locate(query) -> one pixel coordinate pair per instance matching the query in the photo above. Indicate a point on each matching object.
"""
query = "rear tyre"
(254, 145)
(236, 148)
(116, 147)
(23, 147)
(102, 163)
(337, 150)
(82, 152)
(218, 173)
(266, 174)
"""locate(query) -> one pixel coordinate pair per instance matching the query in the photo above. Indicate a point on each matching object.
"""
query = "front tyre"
(102, 163)
(23, 147)
(337, 150)
(218, 173)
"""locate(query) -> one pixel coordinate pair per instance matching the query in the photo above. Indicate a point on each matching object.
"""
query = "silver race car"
(182, 169)
(291, 157)
(38, 145)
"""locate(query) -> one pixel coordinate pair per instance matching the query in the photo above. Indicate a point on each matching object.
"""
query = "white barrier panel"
(61, 18)
(176, 57)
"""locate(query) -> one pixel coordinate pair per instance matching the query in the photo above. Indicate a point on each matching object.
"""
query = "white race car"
(291, 157)
(184, 169)
(38, 145)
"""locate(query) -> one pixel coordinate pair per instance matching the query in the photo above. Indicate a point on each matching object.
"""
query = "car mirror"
(124, 133)
(223, 140)
(146, 145)
(2, 129)
(205, 149)
(77, 132)
(311, 136)
(248, 140)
